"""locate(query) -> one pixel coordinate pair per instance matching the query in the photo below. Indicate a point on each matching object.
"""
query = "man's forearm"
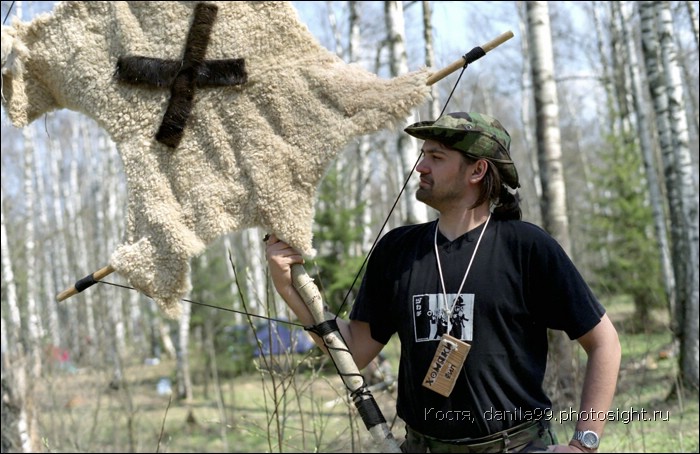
(600, 380)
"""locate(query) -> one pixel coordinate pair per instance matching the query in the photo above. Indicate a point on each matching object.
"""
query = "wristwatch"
(587, 438)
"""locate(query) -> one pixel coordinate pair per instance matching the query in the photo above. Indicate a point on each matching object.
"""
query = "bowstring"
(8, 13)
(403, 188)
(199, 303)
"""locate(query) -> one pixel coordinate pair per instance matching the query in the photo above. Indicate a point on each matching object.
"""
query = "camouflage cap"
(474, 134)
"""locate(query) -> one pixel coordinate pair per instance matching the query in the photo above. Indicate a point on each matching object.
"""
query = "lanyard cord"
(442, 280)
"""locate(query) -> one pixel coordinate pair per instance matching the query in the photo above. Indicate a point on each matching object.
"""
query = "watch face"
(590, 440)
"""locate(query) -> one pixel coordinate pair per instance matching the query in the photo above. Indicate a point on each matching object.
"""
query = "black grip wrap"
(323, 328)
(85, 282)
(370, 412)
(473, 55)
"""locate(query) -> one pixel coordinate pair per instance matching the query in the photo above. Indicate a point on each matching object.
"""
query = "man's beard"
(438, 198)
(425, 196)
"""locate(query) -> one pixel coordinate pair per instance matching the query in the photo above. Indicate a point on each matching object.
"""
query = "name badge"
(446, 365)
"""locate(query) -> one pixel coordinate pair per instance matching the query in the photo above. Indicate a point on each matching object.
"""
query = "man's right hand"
(280, 258)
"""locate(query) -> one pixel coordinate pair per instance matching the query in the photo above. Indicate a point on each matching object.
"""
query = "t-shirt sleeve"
(374, 299)
(558, 294)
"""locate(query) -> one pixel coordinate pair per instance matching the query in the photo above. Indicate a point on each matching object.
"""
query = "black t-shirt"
(521, 283)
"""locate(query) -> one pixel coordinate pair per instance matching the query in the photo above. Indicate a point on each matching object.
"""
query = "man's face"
(443, 176)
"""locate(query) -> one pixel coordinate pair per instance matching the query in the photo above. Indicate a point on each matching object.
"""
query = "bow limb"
(344, 362)
(471, 56)
(85, 282)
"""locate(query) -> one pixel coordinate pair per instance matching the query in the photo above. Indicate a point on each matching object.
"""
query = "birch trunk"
(688, 272)
(184, 376)
(620, 81)
(693, 19)
(692, 15)
(48, 249)
(60, 264)
(362, 160)
(407, 146)
(676, 165)
(34, 329)
(43, 278)
(114, 221)
(255, 272)
(553, 203)
(644, 128)
(692, 86)
(83, 333)
(525, 106)
(10, 286)
(434, 106)
(164, 332)
(237, 316)
(15, 423)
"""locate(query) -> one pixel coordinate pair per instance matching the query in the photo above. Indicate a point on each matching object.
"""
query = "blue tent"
(276, 339)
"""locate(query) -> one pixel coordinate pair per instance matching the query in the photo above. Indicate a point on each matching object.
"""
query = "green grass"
(647, 417)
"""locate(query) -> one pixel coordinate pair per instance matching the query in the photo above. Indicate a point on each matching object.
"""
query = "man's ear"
(479, 170)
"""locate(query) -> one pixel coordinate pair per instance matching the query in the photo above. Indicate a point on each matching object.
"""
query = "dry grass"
(301, 407)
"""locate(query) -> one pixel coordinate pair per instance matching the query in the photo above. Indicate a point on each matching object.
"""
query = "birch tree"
(61, 209)
(407, 146)
(663, 76)
(15, 422)
(110, 316)
(184, 376)
(648, 151)
(553, 202)
(434, 106)
(48, 247)
(83, 334)
(34, 327)
(692, 85)
(621, 228)
(13, 335)
(362, 161)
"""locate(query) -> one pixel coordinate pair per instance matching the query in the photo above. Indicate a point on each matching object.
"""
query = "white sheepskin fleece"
(251, 155)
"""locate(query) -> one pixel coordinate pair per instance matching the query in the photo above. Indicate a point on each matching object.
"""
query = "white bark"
(663, 76)
(10, 286)
(67, 206)
(34, 331)
(646, 144)
(60, 264)
(255, 271)
(407, 146)
(113, 222)
(692, 15)
(361, 165)
(554, 213)
(434, 106)
(525, 106)
(47, 264)
(231, 252)
(184, 382)
(687, 280)
(560, 374)
(620, 67)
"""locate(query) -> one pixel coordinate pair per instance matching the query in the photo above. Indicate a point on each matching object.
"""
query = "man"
(512, 281)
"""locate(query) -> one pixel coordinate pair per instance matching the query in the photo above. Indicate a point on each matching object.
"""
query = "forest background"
(601, 100)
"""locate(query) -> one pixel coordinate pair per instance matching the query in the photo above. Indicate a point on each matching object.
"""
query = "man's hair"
(492, 190)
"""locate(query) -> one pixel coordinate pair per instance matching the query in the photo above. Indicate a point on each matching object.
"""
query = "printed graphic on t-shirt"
(430, 316)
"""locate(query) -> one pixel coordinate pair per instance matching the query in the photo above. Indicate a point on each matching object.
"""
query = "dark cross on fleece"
(183, 76)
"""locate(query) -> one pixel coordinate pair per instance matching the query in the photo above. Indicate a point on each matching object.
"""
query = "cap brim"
(425, 130)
